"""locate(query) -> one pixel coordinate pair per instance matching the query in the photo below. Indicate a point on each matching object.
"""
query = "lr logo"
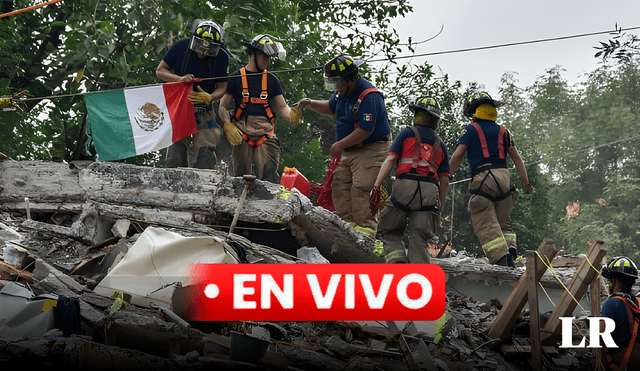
(594, 333)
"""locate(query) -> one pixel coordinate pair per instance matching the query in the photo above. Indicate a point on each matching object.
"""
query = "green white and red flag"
(133, 121)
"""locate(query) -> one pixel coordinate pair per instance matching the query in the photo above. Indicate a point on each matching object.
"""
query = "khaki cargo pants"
(197, 150)
(492, 220)
(422, 223)
(265, 158)
(353, 181)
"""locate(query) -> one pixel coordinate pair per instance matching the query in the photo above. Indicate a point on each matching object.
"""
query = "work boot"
(206, 159)
(177, 155)
(506, 261)
(514, 253)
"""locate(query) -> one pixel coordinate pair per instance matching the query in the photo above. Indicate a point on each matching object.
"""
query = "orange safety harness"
(483, 141)
(634, 312)
(262, 99)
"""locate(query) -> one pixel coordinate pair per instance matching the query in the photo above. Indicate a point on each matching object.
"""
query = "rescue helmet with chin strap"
(339, 70)
(481, 105)
(207, 37)
(266, 44)
(620, 267)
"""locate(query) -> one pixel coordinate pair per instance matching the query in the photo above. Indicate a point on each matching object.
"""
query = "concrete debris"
(85, 219)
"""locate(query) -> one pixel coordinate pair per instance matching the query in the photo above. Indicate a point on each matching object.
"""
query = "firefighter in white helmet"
(257, 95)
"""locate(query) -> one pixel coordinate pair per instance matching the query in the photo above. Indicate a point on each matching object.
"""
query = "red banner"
(316, 292)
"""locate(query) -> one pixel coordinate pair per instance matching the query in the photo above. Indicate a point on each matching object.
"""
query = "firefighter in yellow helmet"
(622, 307)
(487, 146)
(257, 95)
(420, 188)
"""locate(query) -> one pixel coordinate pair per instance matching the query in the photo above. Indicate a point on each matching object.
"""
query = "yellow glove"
(295, 116)
(201, 97)
(232, 133)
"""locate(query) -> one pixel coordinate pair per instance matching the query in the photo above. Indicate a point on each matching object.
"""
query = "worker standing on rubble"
(202, 56)
(492, 193)
(363, 137)
(420, 188)
(257, 94)
(622, 307)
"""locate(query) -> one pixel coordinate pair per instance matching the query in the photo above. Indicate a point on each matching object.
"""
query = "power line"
(506, 45)
(402, 57)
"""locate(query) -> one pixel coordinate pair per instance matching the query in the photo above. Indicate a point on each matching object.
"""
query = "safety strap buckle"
(264, 95)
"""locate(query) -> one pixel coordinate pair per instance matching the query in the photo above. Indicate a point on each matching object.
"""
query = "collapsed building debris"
(67, 227)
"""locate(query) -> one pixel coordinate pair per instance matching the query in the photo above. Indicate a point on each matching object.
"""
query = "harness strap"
(356, 107)
(432, 163)
(246, 98)
(432, 208)
(257, 143)
(419, 178)
(483, 141)
(493, 199)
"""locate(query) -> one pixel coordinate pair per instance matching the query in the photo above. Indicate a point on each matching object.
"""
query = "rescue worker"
(419, 190)
(363, 137)
(622, 307)
(202, 56)
(257, 95)
(487, 145)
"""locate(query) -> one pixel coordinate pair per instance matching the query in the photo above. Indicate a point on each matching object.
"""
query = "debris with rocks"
(86, 218)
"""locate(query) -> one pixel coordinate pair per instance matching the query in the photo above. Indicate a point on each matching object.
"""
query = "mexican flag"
(130, 122)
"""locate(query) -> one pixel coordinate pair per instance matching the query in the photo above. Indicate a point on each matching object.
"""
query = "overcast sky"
(469, 24)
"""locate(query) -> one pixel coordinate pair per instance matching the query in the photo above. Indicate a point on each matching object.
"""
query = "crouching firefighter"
(622, 307)
(258, 97)
(487, 145)
(419, 190)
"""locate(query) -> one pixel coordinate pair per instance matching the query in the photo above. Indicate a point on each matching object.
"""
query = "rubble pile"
(56, 252)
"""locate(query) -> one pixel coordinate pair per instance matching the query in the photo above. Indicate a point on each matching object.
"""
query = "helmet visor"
(274, 50)
(204, 46)
(333, 83)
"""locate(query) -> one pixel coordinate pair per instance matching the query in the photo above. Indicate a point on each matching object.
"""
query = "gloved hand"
(232, 133)
(295, 116)
(374, 198)
(200, 97)
(528, 189)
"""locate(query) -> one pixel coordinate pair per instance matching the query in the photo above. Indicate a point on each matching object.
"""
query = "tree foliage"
(580, 143)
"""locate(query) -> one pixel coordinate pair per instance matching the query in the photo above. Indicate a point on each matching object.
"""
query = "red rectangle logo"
(316, 292)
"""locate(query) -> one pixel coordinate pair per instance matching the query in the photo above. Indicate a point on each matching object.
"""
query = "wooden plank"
(576, 288)
(518, 298)
(594, 296)
(534, 313)
(13, 270)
